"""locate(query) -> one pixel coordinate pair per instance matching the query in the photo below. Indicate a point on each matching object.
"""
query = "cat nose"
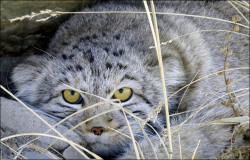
(98, 130)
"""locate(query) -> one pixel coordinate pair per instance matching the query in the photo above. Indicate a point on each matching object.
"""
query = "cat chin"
(108, 151)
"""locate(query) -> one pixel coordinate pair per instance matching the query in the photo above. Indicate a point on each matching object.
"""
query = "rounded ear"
(25, 75)
(26, 71)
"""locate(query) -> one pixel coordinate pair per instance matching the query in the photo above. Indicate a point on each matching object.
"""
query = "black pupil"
(121, 90)
(72, 92)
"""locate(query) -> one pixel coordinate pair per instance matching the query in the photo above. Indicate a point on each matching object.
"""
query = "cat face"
(109, 62)
(54, 85)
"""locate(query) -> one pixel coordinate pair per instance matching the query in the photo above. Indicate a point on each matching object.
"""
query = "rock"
(28, 37)
(71, 153)
(16, 117)
(19, 36)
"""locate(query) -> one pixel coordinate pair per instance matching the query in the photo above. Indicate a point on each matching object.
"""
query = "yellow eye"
(72, 96)
(124, 94)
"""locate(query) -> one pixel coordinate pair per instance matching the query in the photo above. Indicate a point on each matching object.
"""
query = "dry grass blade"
(204, 17)
(199, 108)
(179, 138)
(140, 151)
(80, 91)
(239, 11)
(186, 91)
(18, 154)
(14, 151)
(58, 152)
(91, 153)
(195, 150)
(84, 109)
(132, 136)
(63, 120)
(187, 34)
(214, 94)
(138, 146)
(242, 95)
(51, 136)
(246, 3)
(240, 4)
(127, 136)
(155, 33)
(97, 115)
(57, 13)
(243, 125)
(46, 123)
(157, 134)
(43, 151)
(215, 73)
(111, 102)
(148, 140)
(232, 120)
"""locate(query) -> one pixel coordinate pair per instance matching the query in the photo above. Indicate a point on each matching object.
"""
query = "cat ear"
(27, 71)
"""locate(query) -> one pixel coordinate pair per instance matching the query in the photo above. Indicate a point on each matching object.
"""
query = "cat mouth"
(98, 139)
(107, 150)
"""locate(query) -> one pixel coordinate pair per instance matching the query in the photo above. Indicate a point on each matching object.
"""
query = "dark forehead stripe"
(95, 71)
(121, 52)
(51, 97)
(127, 105)
(78, 67)
(66, 27)
(145, 99)
(116, 54)
(83, 39)
(131, 43)
(121, 66)
(64, 57)
(106, 49)
(94, 36)
(127, 77)
(75, 47)
(108, 65)
(108, 91)
(89, 56)
(70, 68)
(61, 114)
(63, 72)
(65, 80)
(64, 106)
(156, 126)
(117, 37)
(71, 56)
(87, 38)
(64, 43)
(91, 59)
(89, 51)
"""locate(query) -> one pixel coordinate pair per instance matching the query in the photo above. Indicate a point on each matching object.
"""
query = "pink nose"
(97, 130)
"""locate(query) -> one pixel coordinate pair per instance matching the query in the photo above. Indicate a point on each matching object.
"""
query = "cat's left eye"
(72, 97)
(124, 94)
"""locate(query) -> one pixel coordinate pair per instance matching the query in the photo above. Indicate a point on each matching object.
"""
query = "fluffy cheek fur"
(115, 129)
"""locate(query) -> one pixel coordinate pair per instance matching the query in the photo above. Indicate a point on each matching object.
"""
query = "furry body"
(100, 53)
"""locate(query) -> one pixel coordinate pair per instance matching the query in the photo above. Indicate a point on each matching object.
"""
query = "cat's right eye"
(72, 97)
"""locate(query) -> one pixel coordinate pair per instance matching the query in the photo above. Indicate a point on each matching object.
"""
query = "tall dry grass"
(231, 152)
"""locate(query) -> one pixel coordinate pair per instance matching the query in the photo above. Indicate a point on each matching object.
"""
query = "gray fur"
(94, 52)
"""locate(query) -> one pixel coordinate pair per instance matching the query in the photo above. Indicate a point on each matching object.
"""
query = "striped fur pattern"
(100, 53)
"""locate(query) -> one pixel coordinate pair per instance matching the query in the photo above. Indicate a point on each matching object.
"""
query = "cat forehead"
(99, 77)
(98, 59)
(95, 63)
